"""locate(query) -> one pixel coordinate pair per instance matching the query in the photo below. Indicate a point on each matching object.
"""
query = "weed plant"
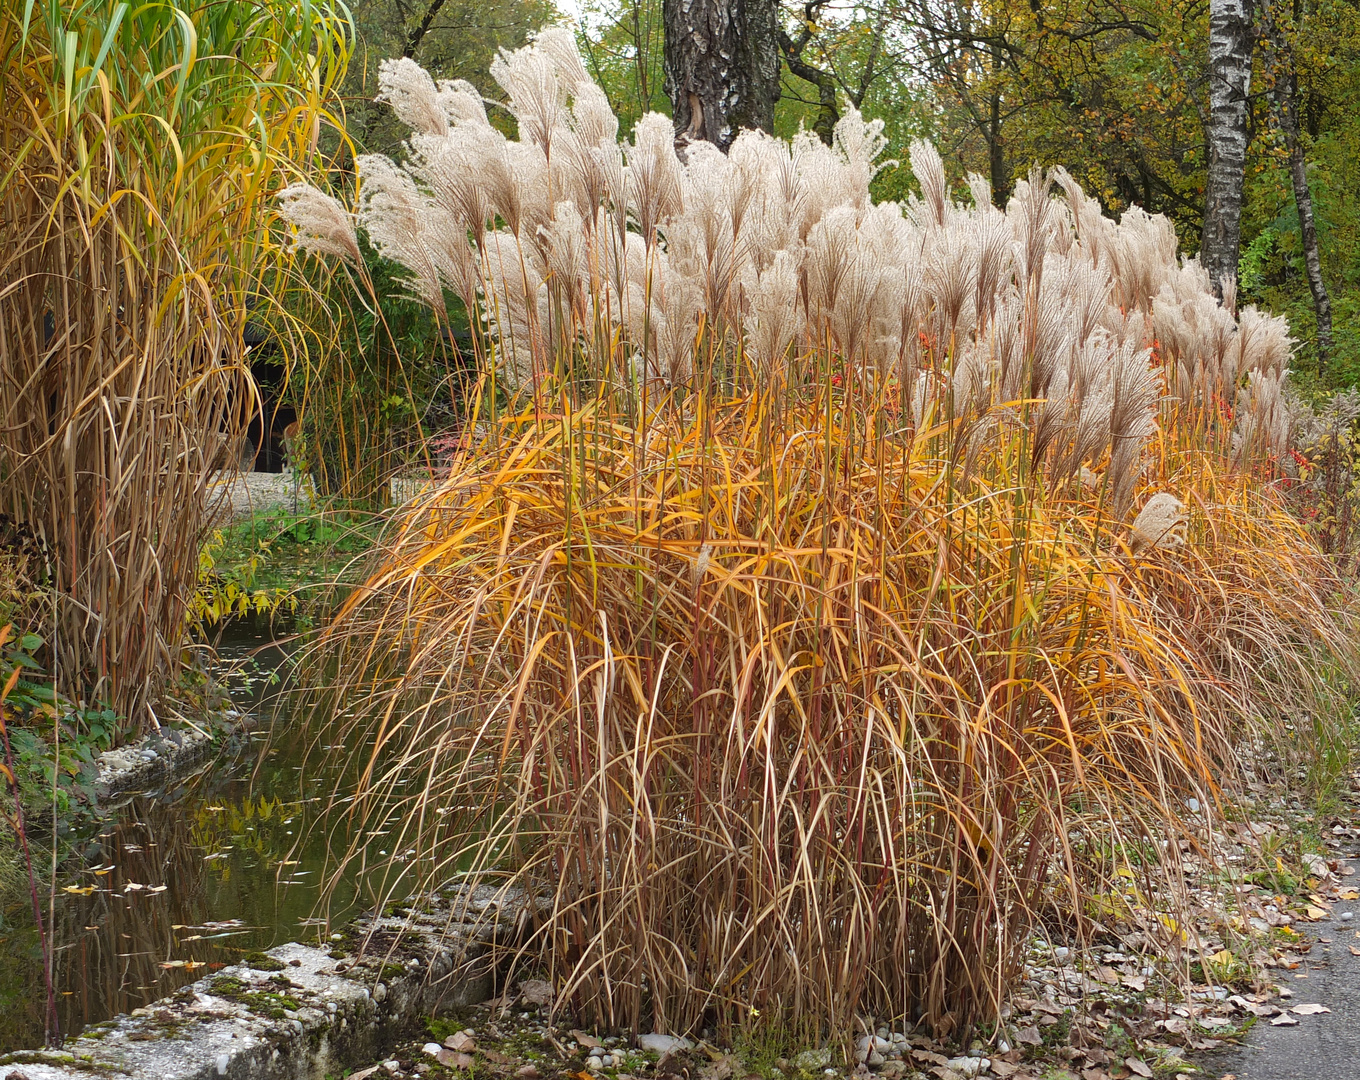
(784, 626)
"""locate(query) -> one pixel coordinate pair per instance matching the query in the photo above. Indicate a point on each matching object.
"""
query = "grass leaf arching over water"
(784, 633)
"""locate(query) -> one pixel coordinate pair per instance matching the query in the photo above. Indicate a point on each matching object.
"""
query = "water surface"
(178, 883)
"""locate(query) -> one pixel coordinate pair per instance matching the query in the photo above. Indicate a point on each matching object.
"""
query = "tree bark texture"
(1230, 49)
(1285, 93)
(722, 67)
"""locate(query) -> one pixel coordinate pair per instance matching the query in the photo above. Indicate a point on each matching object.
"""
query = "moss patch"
(270, 1003)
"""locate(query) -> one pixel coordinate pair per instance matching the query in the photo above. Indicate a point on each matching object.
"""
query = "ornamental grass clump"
(780, 623)
(139, 147)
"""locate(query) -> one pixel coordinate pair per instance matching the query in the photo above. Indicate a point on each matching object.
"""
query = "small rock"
(431, 1048)
(1062, 954)
(663, 1044)
(1347, 916)
(594, 1064)
(536, 992)
(875, 1059)
(223, 1060)
(380, 992)
(967, 1066)
(527, 1072)
(812, 1060)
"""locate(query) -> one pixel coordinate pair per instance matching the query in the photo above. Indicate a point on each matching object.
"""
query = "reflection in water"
(174, 887)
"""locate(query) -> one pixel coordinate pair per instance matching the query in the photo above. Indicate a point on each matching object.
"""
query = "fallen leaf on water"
(1309, 1010)
(79, 890)
(187, 965)
(133, 886)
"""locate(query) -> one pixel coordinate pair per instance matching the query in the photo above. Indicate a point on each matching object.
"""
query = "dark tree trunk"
(1230, 49)
(722, 67)
(1285, 93)
(418, 32)
(996, 155)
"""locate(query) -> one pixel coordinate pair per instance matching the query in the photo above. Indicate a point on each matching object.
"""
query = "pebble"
(1061, 954)
(968, 1066)
(1346, 916)
(812, 1060)
(432, 1048)
(594, 1063)
(663, 1044)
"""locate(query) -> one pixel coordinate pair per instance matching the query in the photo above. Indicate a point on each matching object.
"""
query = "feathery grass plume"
(928, 169)
(1160, 524)
(323, 225)
(408, 88)
(769, 637)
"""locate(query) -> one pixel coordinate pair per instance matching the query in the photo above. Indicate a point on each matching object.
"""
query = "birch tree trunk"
(1285, 94)
(722, 67)
(1230, 49)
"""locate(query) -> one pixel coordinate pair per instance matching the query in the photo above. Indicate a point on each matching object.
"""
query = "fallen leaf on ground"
(1309, 1010)
(585, 1039)
(721, 1069)
(536, 992)
(1138, 1065)
(1315, 913)
(1283, 1020)
(454, 1060)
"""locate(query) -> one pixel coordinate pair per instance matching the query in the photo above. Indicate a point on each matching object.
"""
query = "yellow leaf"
(79, 890)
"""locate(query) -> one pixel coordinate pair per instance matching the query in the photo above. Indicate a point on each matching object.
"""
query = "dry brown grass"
(137, 152)
(786, 636)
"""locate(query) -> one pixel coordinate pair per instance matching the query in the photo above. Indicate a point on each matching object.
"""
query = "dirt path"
(1321, 1046)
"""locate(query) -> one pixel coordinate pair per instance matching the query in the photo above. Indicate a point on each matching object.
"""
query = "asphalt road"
(1323, 1047)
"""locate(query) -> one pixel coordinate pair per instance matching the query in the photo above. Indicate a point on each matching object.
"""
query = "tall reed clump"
(138, 150)
(785, 623)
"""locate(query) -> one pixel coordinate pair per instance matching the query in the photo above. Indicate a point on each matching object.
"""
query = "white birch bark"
(1230, 49)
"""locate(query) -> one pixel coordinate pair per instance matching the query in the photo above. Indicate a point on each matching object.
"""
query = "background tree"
(1277, 28)
(1231, 41)
(722, 67)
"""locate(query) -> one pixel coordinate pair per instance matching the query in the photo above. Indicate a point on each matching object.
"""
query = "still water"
(176, 884)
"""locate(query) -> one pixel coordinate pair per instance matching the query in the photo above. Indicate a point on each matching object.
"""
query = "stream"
(179, 883)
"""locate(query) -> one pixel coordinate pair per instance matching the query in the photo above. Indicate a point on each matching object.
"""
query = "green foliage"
(280, 564)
